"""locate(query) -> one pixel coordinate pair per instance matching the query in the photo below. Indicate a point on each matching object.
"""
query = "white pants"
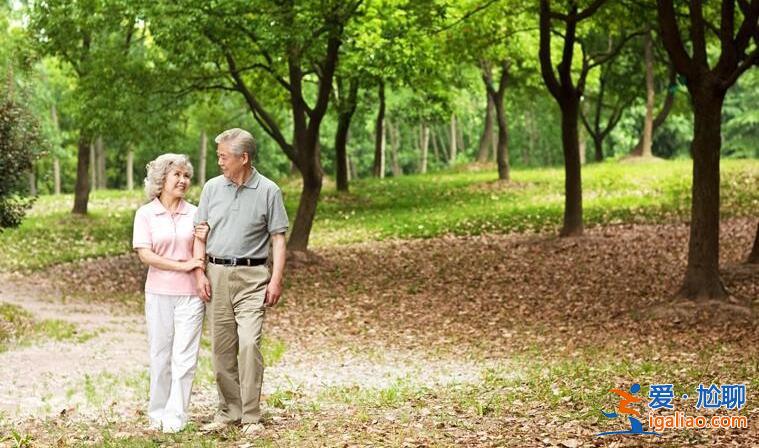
(174, 327)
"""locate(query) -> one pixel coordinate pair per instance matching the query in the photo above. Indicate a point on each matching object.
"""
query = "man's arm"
(199, 253)
(278, 251)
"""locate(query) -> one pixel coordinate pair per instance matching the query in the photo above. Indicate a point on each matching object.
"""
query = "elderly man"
(239, 214)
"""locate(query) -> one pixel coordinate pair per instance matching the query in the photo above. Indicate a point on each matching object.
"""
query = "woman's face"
(177, 182)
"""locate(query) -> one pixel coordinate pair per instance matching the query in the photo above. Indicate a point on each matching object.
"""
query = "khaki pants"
(236, 315)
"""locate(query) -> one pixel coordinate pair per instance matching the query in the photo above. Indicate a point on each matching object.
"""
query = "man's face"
(230, 163)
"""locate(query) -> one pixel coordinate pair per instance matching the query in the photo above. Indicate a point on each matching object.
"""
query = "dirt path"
(49, 377)
(108, 371)
(408, 327)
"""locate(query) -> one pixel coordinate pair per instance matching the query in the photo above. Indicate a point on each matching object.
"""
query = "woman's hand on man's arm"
(150, 258)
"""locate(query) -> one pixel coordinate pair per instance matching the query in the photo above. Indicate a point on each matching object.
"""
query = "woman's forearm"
(198, 253)
(150, 258)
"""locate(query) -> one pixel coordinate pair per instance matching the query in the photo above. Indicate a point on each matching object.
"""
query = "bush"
(18, 135)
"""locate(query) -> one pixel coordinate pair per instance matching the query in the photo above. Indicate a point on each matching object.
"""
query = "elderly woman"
(164, 240)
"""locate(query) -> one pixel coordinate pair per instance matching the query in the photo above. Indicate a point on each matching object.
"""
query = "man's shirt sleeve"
(277, 215)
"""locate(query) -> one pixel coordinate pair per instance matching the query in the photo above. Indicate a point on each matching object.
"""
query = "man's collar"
(253, 180)
(159, 209)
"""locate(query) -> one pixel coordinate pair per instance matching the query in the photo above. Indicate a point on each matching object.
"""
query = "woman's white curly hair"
(158, 169)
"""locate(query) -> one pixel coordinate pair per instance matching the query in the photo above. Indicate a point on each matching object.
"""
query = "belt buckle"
(233, 262)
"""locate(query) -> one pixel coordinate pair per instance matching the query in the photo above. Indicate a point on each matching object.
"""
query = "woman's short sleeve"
(141, 238)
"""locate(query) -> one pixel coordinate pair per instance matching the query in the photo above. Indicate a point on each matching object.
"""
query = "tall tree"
(346, 100)
(661, 116)
(486, 139)
(380, 134)
(648, 123)
(567, 94)
(496, 94)
(607, 99)
(280, 44)
(453, 141)
(708, 84)
(104, 44)
(493, 38)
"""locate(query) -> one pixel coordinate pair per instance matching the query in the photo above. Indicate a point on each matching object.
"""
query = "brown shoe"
(214, 427)
(249, 429)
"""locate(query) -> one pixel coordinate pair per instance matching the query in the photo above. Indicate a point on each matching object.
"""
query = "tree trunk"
(101, 178)
(309, 163)
(202, 157)
(648, 124)
(661, 117)
(532, 136)
(57, 175)
(394, 143)
(32, 182)
(502, 155)
(453, 149)
(461, 142)
(130, 170)
(572, 167)
(346, 109)
(425, 147)
(341, 153)
(352, 170)
(598, 144)
(348, 169)
(56, 161)
(702, 278)
(435, 148)
(595, 130)
(304, 217)
(487, 132)
(93, 166)
(582, 146)
(753, 257)
(379, 136)
(82, 187)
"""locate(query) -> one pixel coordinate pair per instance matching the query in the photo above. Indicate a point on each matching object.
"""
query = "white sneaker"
(172, 424)
(154, 424)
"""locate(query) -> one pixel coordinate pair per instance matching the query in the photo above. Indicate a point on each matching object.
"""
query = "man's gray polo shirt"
(241, 219)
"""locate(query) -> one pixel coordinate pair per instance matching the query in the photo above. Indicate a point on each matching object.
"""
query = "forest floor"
(491, 340)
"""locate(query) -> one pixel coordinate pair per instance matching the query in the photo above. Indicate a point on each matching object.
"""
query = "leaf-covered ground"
(494, 340)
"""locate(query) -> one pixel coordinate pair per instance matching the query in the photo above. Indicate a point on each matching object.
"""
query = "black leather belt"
(237, 261)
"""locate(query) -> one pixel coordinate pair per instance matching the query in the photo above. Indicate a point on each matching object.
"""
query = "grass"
(416, 206)
(18, 327)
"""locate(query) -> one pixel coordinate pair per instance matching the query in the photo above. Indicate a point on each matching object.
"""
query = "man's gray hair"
(239, 141)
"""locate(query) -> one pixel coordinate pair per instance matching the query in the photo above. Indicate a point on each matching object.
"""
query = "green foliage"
(18, 136)
(150, 77)
(452, 202)
(740, 130)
